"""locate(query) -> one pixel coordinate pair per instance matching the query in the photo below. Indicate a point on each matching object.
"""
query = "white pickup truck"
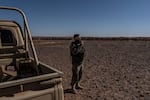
(22, 76)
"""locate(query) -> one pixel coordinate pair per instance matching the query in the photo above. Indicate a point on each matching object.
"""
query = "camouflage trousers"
(76, 73)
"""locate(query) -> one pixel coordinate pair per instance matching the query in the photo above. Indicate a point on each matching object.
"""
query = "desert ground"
(113, 70)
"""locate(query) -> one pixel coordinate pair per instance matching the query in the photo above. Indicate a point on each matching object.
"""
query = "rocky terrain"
(113, 70)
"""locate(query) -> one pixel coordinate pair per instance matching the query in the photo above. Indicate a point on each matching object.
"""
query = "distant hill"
(93, 38)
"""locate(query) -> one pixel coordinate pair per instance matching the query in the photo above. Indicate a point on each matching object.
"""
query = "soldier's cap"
(76, 35)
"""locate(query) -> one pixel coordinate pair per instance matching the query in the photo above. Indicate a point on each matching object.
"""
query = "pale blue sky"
(87, 17)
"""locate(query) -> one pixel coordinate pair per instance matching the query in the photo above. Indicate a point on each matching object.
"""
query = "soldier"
(77, 52)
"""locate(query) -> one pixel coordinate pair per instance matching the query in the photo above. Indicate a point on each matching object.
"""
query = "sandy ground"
(113, 70)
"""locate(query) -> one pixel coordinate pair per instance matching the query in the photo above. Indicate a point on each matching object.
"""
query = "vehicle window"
(6, 37)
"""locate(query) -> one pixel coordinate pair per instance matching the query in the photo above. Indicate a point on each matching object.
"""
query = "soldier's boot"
(78, 86)
(74, 91)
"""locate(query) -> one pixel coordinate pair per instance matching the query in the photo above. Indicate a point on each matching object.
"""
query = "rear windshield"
(6, 38)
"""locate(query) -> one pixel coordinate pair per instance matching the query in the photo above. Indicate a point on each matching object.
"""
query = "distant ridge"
(93, 38)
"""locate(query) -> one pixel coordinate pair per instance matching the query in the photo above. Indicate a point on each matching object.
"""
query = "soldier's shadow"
(67, 91)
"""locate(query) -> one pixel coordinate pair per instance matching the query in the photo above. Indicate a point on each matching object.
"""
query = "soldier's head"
(76, 37)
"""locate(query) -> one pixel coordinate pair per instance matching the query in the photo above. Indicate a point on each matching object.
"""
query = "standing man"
(77, 52)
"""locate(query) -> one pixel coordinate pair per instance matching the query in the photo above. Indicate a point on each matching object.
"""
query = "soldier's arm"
(74, 50)
(81, 49)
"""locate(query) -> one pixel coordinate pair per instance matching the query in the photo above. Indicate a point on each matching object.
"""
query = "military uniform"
(77, 52)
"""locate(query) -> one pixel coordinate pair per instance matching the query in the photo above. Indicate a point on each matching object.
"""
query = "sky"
(96, 18)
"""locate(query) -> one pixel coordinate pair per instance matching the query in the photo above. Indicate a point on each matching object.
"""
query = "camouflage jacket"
(77, 52)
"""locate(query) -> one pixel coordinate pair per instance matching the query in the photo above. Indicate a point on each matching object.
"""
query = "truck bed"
(42, 86)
